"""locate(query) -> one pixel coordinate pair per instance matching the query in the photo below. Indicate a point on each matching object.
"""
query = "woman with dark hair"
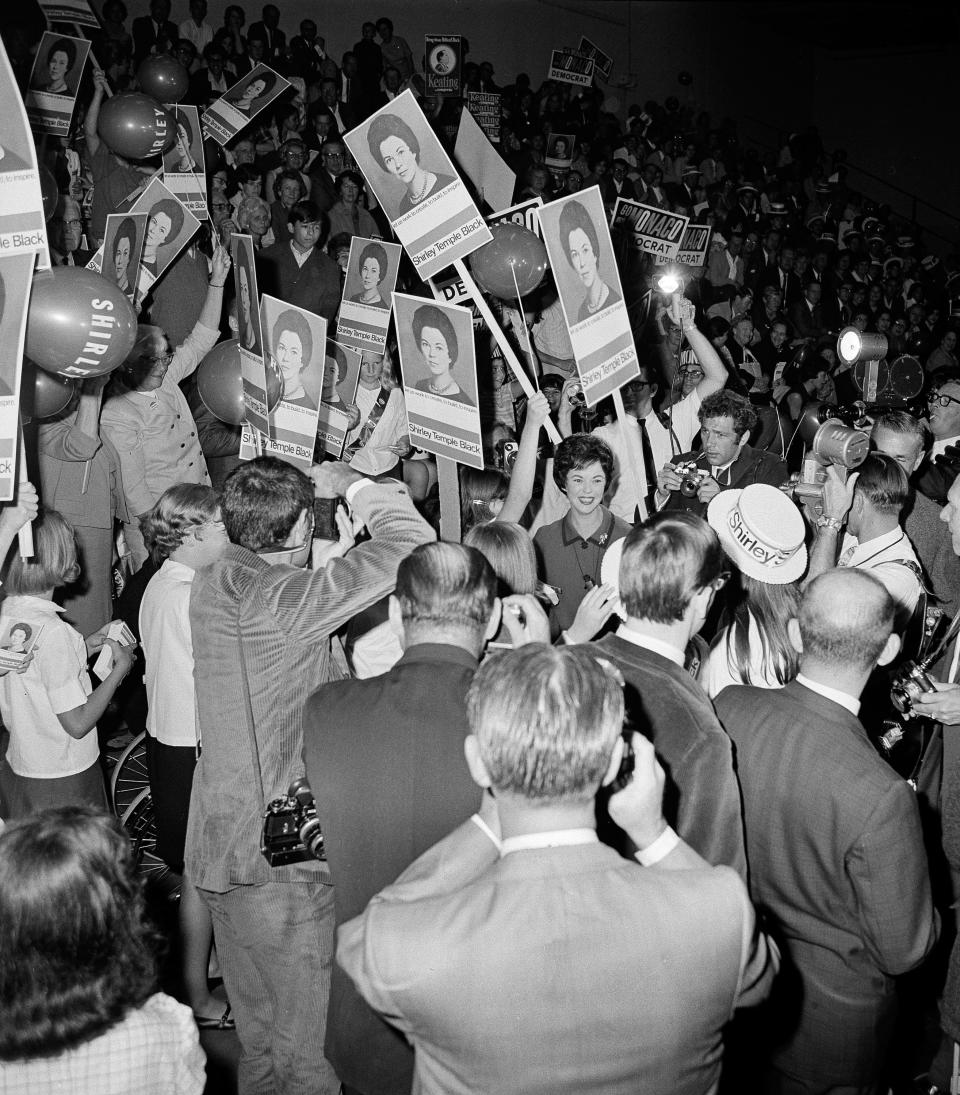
(437, 340)
(164, 225)
(347, 214)
(395, 148)
(257, 88)
(49, 708)
(77, 1008)
(293, 352)
(60, 59)
(372, 268)
(246, 304)
(580, 240)
(184, 161)
(124, 245)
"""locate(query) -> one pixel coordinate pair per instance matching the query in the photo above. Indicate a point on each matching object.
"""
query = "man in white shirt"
(196, 29)
(870, 502)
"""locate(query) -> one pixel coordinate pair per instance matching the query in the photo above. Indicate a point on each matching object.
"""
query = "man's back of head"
(262, 500)
(445, 593)
(845, 622)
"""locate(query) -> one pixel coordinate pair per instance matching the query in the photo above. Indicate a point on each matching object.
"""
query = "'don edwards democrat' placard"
(430, 209)
(367, 292)
(578, 244)
(439, 365)
(653, 231)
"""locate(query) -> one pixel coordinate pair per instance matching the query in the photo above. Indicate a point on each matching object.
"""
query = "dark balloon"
(513, 251)
(42, 395)
(163, 77)
(49, 192)
(136, 126)
(79, 324)
(220, 384)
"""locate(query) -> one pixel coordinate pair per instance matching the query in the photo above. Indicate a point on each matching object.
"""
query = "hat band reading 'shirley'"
(764, 553)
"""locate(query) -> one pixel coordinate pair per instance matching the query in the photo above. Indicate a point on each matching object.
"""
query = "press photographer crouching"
(726, 461)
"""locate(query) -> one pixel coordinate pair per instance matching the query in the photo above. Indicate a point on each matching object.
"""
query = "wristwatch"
(829, 522)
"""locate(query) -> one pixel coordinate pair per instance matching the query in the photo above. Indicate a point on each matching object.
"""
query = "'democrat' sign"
(602, 62)
(695, 245)
(570, 68)
(653, 231)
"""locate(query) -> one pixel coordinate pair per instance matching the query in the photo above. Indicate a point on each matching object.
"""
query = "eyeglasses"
(162, 359)
(73, 224)
(941, 400)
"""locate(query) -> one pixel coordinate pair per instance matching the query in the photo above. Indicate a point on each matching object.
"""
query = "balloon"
(79, 324)
(685, 78)
(49, 192)
(220, 383)
(512, 251)
(163, 77)
(42, 395)
(136, 126)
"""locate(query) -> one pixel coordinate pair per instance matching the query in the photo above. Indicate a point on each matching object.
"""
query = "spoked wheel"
(130, 776)
(139, 821)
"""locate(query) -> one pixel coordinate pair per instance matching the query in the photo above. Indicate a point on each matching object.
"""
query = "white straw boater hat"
(761, 531)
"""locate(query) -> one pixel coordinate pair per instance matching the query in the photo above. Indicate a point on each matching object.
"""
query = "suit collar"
(827, 709)
(421, 653)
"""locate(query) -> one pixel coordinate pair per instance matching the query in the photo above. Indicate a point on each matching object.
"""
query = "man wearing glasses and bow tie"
(942, 464)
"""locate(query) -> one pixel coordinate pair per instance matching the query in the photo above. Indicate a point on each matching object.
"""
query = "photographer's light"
(854, 346)
(668, 283)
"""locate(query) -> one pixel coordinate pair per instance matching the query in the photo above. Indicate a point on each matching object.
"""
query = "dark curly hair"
(64, 45)
(574, 216)
(171, 208)
(77, 951)
(378, 254)
(428, 315)
(577, 451)
(389, 125)
(727, 404)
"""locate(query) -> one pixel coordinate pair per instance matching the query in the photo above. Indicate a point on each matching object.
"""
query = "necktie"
(649, 467)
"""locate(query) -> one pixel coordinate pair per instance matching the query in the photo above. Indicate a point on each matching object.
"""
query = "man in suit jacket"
(310, 54)
(545, 962)
(153, 33)
(784, 278)
(663, 607)
(330, 161)
(269, 30)
(806, 315)
(296, 270)
(725, 462)
(385, 760)
(942, 464)
(835, 845)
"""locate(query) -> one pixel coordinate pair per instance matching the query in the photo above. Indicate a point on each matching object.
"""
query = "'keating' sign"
(652, 230)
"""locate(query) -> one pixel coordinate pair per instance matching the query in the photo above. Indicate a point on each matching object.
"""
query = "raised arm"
(525, 468)
(101, 87)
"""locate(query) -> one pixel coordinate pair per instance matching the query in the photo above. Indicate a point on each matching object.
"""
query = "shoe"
(223, 1023)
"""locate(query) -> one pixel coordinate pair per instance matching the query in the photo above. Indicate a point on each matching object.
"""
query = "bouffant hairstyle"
(291, 320)
(389, 125)
(174, 210)
(63, 45)
(179, 509)
(374, 251)
(574, 216)
(577, 451)
(77, 951)
(430, 316)
(269, 80)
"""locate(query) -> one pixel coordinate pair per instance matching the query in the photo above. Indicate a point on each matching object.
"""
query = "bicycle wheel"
(130, 775)
(140, 823)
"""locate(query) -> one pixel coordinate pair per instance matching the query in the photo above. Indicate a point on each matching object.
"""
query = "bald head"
(846, 617)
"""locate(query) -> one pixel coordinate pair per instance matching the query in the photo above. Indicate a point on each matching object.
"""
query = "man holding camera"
(725, 462)
(261, 628)
(522, 955)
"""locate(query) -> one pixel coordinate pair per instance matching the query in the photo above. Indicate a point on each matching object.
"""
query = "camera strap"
(254, 748)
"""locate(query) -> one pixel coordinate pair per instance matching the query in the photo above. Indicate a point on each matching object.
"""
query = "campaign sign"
(560, 150)
(250, 332)
(439, 365)
(695, 245)
(365, 308)
(16, 273)
(653, 231)
(54, 80)
(77, 12)
(602, 62)
(452, 290)
(581, 256)
(405, 165)
(120, 257)
(485, 107)
(170, 228)
(293, 342)
(184, 164)
(338, 412)
(570, 68)
(443, 69)
(237, 108)
(526, 214)
(23, 228)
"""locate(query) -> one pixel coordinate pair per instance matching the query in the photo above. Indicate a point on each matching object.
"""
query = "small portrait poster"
(17, 640)
(184, 164)
(405, 165)
(695, 245)
(54, 80)
(580, 250)
(23, 227)
(482, 163)
(76, 12)
(170, 228)
(570, 68)
(602, 62)
(249, 331)
(651, 230)
(238, 107)
(525, 213)
(16, 275)
(560, 150)
(293, 344)
(443, 69)
(123, 242)
(485, 107)
(367, 293)
(338, 412)
(439, 366)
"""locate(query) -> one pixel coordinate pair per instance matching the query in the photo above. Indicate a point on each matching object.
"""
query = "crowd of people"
(630, 784)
